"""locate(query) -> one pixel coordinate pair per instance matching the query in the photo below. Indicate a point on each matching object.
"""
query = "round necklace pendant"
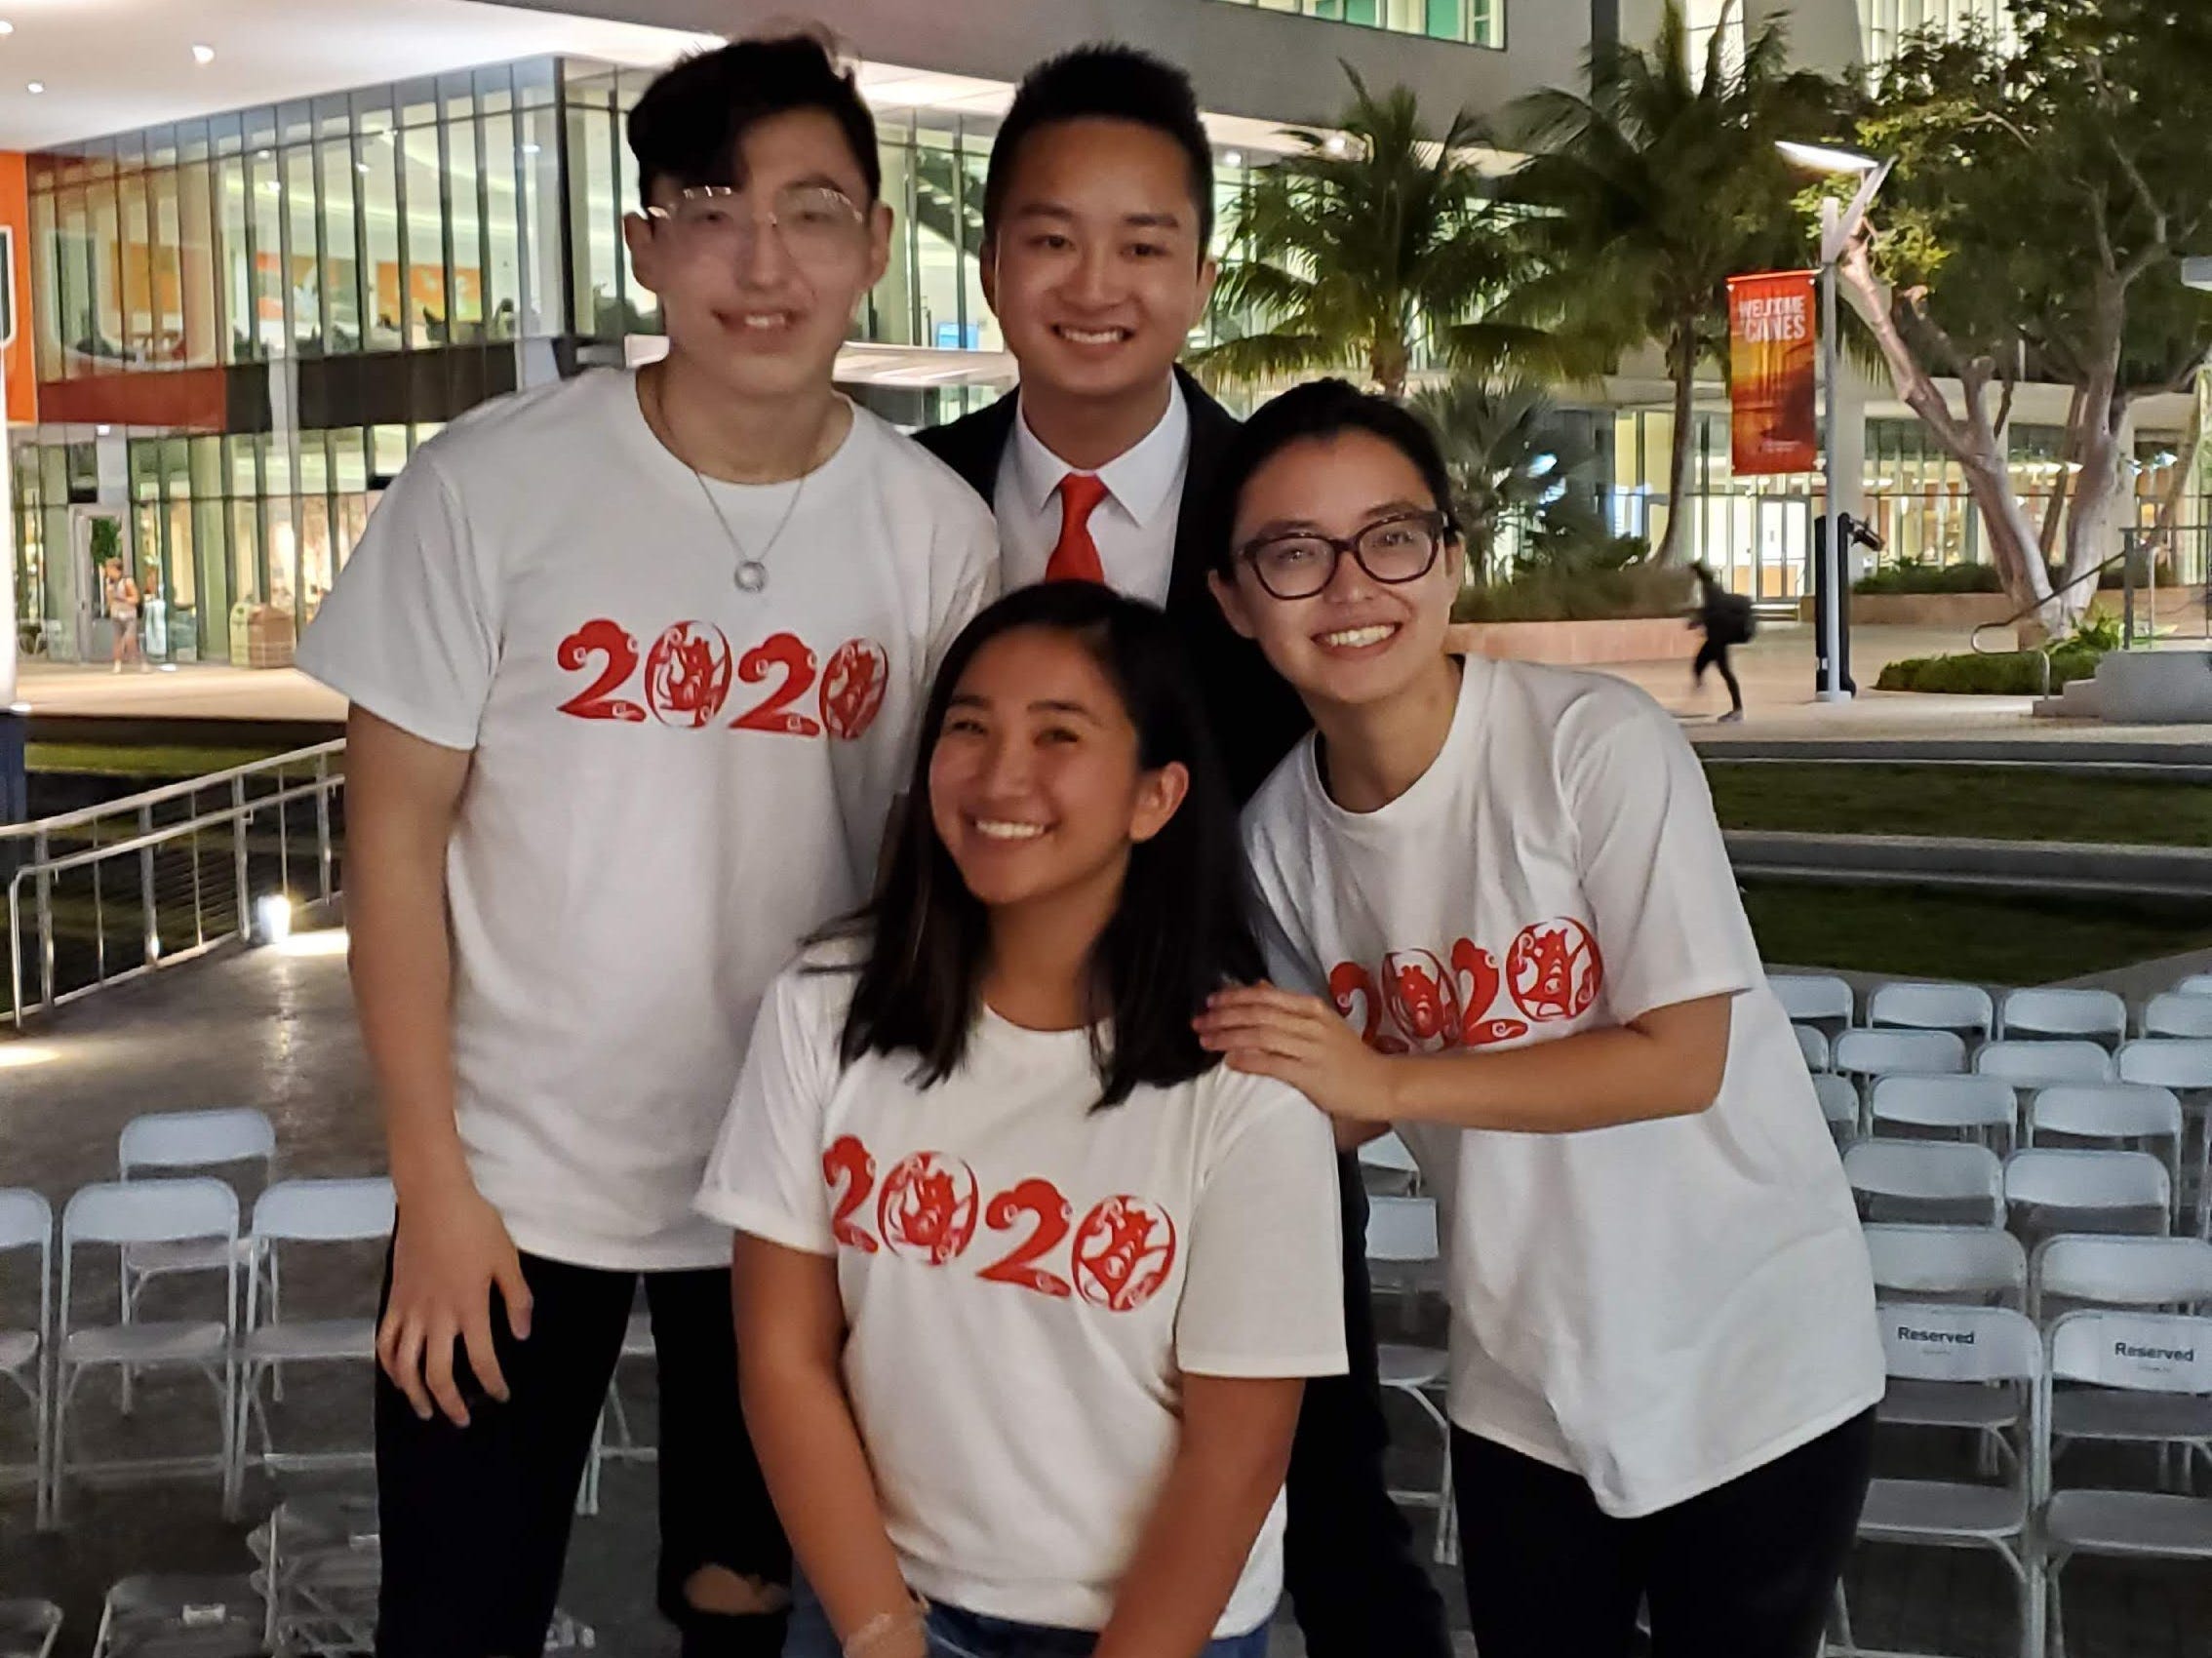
(752, 577)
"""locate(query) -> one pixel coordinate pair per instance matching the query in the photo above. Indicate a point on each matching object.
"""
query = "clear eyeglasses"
(1391, 550)
(819, 224)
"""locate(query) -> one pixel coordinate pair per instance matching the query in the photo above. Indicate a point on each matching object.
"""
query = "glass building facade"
(1885, 25)
(244, 324)
(1472, 22)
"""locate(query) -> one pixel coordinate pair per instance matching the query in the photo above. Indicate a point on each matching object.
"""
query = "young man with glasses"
(1097, 224)
(635, 662)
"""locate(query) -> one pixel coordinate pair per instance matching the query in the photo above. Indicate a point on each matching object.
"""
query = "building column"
(15, 716)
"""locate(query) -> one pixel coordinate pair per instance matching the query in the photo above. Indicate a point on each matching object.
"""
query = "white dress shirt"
(1134, 527)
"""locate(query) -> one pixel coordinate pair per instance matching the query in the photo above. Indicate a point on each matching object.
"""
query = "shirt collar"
(1141, 479)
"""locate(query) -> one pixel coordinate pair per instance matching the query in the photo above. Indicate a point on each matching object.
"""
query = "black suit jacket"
(1255, 715)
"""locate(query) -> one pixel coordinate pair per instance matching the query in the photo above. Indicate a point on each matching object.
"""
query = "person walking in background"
(635, 661)
(1097, 226)
(1028, 1282)
(123, 613)
(1726, 620)
(1500, 915)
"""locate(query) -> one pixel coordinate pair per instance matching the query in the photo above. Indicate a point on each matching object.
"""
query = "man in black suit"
(1097, 214)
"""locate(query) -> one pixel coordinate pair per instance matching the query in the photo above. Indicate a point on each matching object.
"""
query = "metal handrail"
(168, 792)
(42, 868)
(2043, 658)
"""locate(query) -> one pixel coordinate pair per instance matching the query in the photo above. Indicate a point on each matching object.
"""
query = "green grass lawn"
(156, 761)
(1985, 801)
(1990, 938)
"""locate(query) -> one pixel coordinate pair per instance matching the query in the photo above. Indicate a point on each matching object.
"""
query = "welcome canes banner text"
(1772, 372)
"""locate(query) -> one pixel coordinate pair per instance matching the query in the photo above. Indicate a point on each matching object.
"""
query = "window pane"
(502, 227)
(305, 262)
(936, 255)
(234, 261)
(592, 216)
(341, 262)
(80, 332)
(265, 206)
(106, 271)
(170, 334)
(545, 309)
(46, 265)
(139, 331)
(426, 311)
(379, 208)
(468, 246)
(645, 305)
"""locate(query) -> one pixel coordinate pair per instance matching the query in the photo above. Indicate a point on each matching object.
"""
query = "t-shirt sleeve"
(765, 1174)
(411, 630)
(1264, 1294)
(1662, 892)
(967, 545)
(1289, 965)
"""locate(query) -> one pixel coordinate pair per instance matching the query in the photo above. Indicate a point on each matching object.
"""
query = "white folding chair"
(1983, 1109)
(2141, 1377)
(1925, 1006)
(26, 1222)
(185, 1142)
(1389, 1167)
(1813, 1046)
(1402, 1231)
(1930, 1181)
(300, 1212)
(191, 1210)
(28, 1628)
(1969, 1264)
(2076, 1270)
(1994, 1349)
(2120, 1115)
(2195, 984)
(2189, 1017)
(2097, 1015)
(1840, 1105)
(2183, 1065)
(2048, 1192)
(1899, 1054)
(612, 1439)
(1814, 999)
(2043, 1064)
(180, 1617)
(321, 1557)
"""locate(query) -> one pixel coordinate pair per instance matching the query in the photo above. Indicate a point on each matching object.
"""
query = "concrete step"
(2083, 701)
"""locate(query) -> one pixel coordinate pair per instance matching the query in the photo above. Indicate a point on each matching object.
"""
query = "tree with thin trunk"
(2045, 195)
(1650, 187)
(1370, 249)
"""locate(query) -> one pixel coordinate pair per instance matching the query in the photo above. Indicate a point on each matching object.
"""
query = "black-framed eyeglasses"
(1394, 550)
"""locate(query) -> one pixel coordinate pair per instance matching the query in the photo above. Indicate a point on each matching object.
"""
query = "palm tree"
(1362, 248)
(1649, 189)
(1511, 463)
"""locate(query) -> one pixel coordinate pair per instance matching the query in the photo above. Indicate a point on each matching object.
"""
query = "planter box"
(1578, 644)
(1962, 613)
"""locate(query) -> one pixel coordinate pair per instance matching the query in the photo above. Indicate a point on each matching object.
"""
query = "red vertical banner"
(1772, 372)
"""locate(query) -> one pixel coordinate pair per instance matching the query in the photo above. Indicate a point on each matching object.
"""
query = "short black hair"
(1183, 928)
(1319, 408)
(691, 124)
(1105, 82)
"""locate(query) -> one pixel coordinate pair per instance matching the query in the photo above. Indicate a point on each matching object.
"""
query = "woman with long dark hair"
(1027, 1283)
(1501, 914)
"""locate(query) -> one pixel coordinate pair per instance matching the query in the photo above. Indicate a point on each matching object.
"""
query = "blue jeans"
(955, 1634)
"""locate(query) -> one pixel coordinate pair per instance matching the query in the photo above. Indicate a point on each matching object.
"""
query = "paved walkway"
(273, 1028)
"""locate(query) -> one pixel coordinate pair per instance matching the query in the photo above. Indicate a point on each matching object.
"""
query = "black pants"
(1711, 655)
(1355, 1583)
(1745, 1570)
(475, 1521)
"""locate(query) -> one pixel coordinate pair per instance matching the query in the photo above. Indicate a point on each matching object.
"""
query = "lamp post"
(1837, 226)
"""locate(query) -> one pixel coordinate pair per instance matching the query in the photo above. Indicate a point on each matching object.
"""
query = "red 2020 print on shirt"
(691, 667)
(1553, 971)
(1123, 1254)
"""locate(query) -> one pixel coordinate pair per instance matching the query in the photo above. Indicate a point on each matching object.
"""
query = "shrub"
(1917, 575)
(2008, 674)
(1585, 593)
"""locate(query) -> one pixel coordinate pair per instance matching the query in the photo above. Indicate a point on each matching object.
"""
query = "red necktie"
(1076, 557)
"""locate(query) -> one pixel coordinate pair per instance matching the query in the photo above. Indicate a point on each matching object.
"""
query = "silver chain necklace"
(752, 572)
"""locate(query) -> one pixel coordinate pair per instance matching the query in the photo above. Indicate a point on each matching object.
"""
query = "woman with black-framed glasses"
(1500, 915)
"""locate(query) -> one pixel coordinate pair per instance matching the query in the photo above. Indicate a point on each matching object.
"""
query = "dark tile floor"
(275, 1031)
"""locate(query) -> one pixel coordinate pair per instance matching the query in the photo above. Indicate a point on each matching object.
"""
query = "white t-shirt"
(1661, 1306)
(1026, 1280)
(673, 781)
(1133, 527)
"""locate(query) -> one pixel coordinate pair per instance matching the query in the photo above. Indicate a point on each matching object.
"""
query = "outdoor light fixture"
(35, 88)
(1338, 143)
(22, 1055)
(1826, 158)
(273, 919)
(1235, 157)
(203, 54)
(6, 28)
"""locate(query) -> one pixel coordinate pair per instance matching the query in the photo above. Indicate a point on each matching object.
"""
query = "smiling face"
(1358, 641)
(763, 311)
(1094, 267)
(1036, 785)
